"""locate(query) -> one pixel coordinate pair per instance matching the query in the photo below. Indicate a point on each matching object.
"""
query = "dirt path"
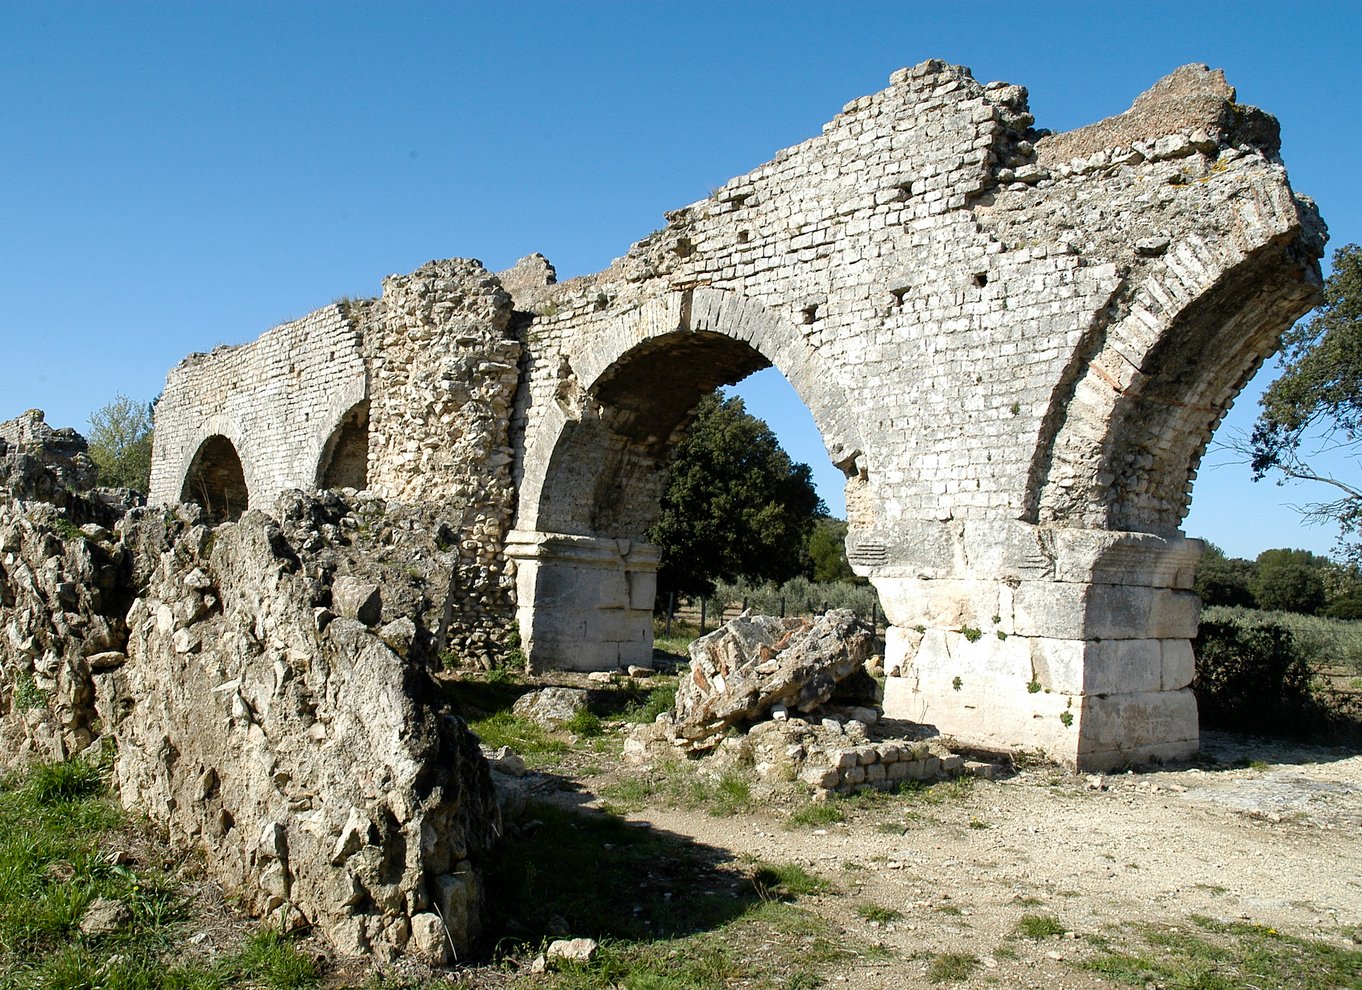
(1261, 833)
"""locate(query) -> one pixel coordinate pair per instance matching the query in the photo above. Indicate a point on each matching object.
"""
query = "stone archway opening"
(216, 481)
(344, 462)
(586, 574)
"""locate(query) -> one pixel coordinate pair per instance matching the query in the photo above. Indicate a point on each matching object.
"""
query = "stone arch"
(1159, 368)
(344, 460)
(216, 480)
(595, 467)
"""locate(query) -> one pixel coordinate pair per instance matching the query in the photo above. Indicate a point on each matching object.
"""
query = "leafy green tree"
(735, 507)
(1290, 581)
(1316, 404)
(1222, 580)
(120, 443)
(828, 552)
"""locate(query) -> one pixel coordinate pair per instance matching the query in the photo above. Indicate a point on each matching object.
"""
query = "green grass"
(669, 913)
(952, 967)
(787, 881)
(680, 785)
(647, 708)
(531, 740)
(815, 814)
(56, 821)
(1215, 955)
(882, 915)
(1038, 926)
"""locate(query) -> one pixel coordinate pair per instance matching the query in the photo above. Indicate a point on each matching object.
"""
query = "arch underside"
(608, 471)
(216, 481)
(1132, 438)
(344, 462)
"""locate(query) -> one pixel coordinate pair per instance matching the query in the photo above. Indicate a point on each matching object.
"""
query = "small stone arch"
(344, 461)
(216, 480)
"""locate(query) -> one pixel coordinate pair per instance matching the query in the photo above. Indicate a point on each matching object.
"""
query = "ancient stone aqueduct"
(1015, 344)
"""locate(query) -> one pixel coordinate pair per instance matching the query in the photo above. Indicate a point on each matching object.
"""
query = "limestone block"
(1090, 667)
(353, 598)
(1179, 664)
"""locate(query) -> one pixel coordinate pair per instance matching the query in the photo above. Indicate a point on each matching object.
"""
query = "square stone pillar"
(1084, 653)
(583, 602)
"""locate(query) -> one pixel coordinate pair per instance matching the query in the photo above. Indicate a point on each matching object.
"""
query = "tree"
(1222, 580)
(1317, 401)
(120, 443)
(828, 552)
(1290, 581)
(735, 506)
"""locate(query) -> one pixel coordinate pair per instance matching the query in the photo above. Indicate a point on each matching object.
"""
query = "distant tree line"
(1281, 580)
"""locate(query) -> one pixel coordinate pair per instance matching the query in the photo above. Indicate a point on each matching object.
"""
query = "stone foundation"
(585, 604)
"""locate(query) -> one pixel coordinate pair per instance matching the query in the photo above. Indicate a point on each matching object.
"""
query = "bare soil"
(1261, 832)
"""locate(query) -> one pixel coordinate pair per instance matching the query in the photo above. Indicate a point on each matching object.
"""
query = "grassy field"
(59, 871)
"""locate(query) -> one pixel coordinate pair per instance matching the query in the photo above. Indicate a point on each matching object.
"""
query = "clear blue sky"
(179, 175)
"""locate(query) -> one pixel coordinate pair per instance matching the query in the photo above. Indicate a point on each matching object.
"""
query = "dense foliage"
(120, 443)
(1316, 404)
(1249, 675)
(1281, 580)
(735, 507)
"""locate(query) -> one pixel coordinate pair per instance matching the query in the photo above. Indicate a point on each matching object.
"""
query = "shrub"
(1250, 675)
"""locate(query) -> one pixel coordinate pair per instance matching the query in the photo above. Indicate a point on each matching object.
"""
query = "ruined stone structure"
(1016, 345)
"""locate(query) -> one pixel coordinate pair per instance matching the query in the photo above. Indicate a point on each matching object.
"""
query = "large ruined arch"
(595, 471)
(1133, 417)
(216, 480)
(344, 460)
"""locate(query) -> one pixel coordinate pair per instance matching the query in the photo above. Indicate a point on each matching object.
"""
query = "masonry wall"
(277, 399)
(1015, 345)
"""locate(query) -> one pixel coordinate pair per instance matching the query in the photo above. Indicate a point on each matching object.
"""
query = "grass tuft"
(1038, 926)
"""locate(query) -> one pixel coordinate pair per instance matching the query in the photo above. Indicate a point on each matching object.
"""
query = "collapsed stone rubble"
(264, 691)
(791, 698)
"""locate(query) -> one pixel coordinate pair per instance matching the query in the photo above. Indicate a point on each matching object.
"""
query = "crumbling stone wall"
(1015, 345)
(271, 715)
(264, 689)
(63, 591)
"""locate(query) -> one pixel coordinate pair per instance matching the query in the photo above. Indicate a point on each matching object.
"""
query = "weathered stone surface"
(574, 950)
(104, 916)
(551, 705)
(313, 762)
(355, 599)
(752, 663)
(275, 745)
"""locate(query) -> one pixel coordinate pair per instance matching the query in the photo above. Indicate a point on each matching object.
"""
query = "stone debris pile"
(753, 664)
(792, 699)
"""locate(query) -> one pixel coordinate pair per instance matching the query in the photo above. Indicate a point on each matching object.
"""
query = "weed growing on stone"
(27, 694)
